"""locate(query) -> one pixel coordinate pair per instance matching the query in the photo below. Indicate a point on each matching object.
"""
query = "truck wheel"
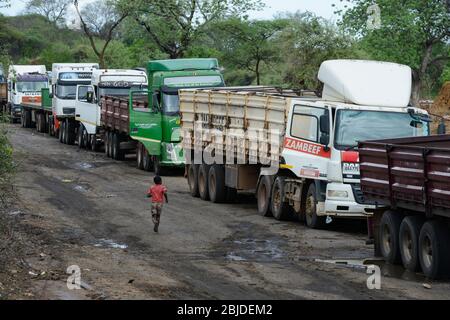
(157, 168)
(61, 132)
(38, 122)
(64, 132)
(216, 184)
(109, 145)
(389, 236)
(42, 123)
(313, 221)
(280, 209)
(146, 160)
(93, 142)
(80, 137)
(263, 195)
(203, 181)
(139, 156)
(192, 178)
(71, 134)
(434, 249)
(27, 119)
(117, 153)
(85, 138)
(409, 242)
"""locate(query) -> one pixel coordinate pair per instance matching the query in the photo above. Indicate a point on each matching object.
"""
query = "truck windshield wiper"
(350, 148)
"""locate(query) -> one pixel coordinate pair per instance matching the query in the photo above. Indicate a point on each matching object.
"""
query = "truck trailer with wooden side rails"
(297, 153)
(409, 181)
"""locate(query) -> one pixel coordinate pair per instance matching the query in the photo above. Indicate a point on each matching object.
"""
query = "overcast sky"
(320, 7)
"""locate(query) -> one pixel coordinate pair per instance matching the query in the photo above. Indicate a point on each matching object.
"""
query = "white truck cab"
(65, 79)
(110, 82)
(359, 103)
(24, 85)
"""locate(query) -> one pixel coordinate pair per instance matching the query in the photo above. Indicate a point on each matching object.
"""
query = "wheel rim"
(262, 196)
(407, 245)
(276, 199)
(386, 240)
(212, 184)
(427, 252)
(191, 178)
(201, 183)
(309, 212)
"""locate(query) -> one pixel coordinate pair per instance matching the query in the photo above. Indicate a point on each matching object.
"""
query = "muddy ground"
(79, 208)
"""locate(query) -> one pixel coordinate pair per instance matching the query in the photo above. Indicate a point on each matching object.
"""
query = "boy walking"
(157, 192)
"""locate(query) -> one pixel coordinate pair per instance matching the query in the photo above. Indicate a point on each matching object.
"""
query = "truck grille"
(359, 196)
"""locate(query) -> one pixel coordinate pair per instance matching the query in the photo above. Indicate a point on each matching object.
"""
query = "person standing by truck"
(157, 192)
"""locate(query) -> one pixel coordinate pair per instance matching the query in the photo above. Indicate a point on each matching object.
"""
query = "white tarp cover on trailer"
(369, 83)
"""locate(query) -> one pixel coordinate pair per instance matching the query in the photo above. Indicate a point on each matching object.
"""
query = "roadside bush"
(6, 162)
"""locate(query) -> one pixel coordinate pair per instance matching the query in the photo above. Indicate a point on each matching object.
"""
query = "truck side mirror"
(325, 139)
(442, 128)
(90, 97)
(325, 124)
(50, 95)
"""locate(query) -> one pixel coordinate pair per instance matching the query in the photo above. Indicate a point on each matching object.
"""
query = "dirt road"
(86, 210)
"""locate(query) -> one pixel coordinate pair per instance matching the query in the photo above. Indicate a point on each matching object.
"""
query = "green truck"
(148, 124)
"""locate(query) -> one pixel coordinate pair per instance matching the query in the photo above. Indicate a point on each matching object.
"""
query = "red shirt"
(157, 192)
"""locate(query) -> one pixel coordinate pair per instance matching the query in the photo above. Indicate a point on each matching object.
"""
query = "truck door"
(86, 107)
(306, 145)
(145, 121)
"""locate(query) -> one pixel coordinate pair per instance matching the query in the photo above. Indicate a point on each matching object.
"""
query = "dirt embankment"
(441, 107)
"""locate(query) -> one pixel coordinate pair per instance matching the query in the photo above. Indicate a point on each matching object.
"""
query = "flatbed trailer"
(409, 180)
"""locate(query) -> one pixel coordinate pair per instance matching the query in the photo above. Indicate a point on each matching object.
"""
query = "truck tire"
(80, 137)
(139, 156)
(38, 122)
(109, 144)
(93, 142)
(85, 138)
(389, 236)
(409, 242)
(263, 196)
(61, 132)
(192, 178)
(434, 249)
(42, 123)
(27, 119)
(312, 220)
(71, 132)
(157, 168)
(118, 154)
(203, 188)
(280, 209)
(216, 184)
(146, 160)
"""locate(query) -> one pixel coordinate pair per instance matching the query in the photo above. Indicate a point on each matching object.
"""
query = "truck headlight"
(337, 194)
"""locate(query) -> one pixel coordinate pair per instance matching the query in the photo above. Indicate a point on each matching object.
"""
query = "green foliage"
(309, 40)
(412, 32)
(6, 161)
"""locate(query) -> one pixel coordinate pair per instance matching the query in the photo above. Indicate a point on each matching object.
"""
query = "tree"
(5, 3)
(248, 45)
(306, 42)
(412, 32)
(54, 10)
(175, 24)
(100, 19)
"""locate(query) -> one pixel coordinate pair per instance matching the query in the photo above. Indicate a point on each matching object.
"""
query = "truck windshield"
(120, 91)
(31, 86)
(171, 104)
(66, 91)
(353, 126)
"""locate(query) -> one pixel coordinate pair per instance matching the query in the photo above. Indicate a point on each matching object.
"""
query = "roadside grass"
(6, 163)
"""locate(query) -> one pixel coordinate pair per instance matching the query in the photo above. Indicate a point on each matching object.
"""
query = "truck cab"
(24, 86)
(111, 82)
(322, 136)
(162, 141)
(65, 79)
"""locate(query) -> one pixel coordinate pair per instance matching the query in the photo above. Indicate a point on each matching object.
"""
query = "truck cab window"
(171, 104)
(305, 123)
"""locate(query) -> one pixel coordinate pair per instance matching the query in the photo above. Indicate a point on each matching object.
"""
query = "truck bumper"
(341, 202)
(172, 155)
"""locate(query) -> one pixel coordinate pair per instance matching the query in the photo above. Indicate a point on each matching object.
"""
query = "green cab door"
(145, 123)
